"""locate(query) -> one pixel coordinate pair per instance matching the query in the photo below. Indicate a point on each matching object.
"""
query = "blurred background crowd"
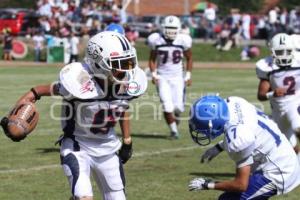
(53, 23)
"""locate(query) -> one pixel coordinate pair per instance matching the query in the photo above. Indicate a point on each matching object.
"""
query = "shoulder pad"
(139, 83)
(240, 142)
(185, 40)
(264, 67)
(153, 39)
(238, 138)
(77, 81)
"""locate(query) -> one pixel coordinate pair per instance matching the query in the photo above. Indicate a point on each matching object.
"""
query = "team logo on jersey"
(87, 87)
(133, 88)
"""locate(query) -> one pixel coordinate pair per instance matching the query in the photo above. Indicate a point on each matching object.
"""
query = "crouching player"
(266, 164)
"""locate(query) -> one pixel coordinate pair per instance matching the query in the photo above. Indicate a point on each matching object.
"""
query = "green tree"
(250, 6)
(18, 4)
(290, 4)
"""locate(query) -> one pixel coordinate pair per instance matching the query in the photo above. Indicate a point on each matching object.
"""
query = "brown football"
(22, 120)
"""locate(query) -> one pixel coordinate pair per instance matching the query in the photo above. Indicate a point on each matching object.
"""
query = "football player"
(166, 64)
(96, 95)
(115, 27)
(266, 164)
(279, 77)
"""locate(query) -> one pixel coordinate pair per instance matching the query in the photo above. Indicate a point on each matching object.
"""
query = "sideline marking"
(135, 155)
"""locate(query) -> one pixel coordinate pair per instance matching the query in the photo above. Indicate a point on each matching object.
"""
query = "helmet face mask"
(208, 117)
(171, 27)
(282, 48)
(110, 54)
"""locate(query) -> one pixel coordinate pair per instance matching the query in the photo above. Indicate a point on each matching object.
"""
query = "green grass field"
(160, 168)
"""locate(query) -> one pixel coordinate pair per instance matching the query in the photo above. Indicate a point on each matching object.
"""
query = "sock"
(173, 127)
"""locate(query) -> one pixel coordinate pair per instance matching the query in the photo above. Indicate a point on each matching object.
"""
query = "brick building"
(177, 7)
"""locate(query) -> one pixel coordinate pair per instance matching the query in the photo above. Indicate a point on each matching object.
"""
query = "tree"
(18, 4)
(290, 4)
(250, 6)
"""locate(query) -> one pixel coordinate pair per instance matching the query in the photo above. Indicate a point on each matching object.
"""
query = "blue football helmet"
(208, 116)
(116, 28)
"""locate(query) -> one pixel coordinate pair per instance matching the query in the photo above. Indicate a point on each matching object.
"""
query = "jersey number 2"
(290, 82)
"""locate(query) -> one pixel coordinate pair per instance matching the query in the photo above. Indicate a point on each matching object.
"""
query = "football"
(22, 120)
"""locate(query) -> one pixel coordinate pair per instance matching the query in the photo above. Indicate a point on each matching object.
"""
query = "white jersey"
(90, 120)
(288, 78)
(170, 54)
(251, 138)
(296, 52)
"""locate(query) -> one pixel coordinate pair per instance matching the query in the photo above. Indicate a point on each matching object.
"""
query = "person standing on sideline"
(74, 47)
(7, 44)
(38, 40)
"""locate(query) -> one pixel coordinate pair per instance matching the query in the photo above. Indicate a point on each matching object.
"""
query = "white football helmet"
(282, 47)
(109, 53)
(171, 27)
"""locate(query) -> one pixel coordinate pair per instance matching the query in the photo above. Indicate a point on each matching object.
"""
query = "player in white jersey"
(279, 77)
(166, 64)
(96, 95)
(266, 164)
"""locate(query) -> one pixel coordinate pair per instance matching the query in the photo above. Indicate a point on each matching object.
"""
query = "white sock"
(173, 127)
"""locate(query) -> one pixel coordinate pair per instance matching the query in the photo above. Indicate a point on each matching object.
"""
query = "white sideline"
(135, 155)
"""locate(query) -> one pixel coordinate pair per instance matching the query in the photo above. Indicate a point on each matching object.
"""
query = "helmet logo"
(114, 54)
(282, 41)
(94, 51)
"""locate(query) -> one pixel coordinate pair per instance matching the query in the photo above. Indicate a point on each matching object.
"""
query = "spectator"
(45, 9)
(249, 52)
(38, 40)
(74, 42)
(210, 17)
(7, 44)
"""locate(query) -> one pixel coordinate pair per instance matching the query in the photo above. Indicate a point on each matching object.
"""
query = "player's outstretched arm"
(37, 92)
(189, 67)
(125, 152)
(24, 117)
(153, 67)
(264, 90)
(238, 184)
(212, 152)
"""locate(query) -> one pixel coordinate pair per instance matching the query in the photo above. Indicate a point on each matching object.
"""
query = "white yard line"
(135, 155)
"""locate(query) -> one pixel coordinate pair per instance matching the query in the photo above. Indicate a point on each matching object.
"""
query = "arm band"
(35, 94)
(270, 94)
(208, 185)
(127, 140)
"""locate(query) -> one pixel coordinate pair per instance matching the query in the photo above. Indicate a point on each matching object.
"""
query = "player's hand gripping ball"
(21, 121)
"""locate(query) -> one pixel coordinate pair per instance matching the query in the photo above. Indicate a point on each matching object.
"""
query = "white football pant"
(171, 93)
(107, 171)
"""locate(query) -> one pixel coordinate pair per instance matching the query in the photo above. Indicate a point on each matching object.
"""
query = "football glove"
(212, 152)
(201, 184)
(4, 123)
(125, 152)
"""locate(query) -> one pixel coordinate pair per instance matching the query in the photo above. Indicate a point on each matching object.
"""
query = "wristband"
(208, 184)
(127, 140)
(211, 185)
(155, 75)
(187, 75)
(35, 94)
(269, 94)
